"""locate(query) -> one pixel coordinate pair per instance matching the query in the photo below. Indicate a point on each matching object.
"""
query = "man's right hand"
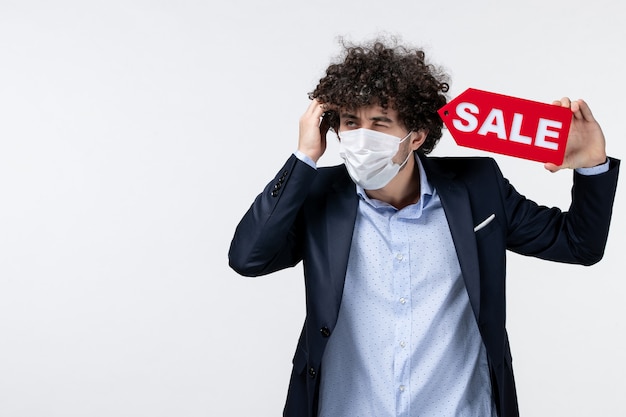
(313, 129)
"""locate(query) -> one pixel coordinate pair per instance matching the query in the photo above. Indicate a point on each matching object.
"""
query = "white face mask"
(368, 156)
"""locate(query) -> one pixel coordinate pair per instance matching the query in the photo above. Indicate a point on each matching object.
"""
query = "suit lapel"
(456, 205)
(342, 206)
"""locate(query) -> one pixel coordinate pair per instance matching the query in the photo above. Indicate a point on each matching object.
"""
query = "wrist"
(305, 158)
(596, 162)
(312, 155)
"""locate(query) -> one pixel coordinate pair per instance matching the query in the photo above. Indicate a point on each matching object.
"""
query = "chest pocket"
(486, 227)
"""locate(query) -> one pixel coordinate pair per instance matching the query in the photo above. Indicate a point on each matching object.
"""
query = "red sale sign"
(508, 125)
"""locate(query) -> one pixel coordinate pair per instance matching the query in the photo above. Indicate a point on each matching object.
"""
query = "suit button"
(274, 193)
(312, 372)
(325, 331)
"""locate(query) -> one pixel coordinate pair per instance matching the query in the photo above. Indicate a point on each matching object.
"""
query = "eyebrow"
(375, 118)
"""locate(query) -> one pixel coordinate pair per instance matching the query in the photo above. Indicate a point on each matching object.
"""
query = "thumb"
(552, 167)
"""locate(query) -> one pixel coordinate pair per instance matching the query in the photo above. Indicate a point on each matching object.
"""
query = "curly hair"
(391, 76)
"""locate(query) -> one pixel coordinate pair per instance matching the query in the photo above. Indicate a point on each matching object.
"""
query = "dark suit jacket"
(308, 215)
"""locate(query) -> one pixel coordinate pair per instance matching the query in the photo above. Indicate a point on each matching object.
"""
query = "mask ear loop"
(410, 151)
(407, 135)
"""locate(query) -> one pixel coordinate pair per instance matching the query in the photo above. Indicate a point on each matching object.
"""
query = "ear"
(417, 139)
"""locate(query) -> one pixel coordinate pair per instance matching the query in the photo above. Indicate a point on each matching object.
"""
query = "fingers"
(324, 125)
(580, 108)
(316, 109)
(564, 102)
(315, 114)
(585, 110)
(313, 128)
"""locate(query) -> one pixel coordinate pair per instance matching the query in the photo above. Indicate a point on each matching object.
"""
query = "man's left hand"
(585, 143)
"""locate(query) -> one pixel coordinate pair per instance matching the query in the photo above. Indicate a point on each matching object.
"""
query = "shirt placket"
(402, 308)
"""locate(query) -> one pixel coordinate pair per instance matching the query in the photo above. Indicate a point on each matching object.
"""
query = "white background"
(135, 134)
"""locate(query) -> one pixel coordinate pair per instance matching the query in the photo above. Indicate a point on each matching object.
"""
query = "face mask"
(368, 156)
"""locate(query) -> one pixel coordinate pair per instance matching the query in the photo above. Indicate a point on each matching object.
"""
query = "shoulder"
(459, 161)
(460, 166)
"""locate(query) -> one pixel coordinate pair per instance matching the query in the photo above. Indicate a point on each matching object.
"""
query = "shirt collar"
(426, 191)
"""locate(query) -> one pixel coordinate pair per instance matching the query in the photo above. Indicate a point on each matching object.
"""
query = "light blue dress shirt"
(406, 342)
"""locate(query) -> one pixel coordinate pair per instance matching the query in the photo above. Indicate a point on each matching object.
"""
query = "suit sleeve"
(576, 236)
(267, 237)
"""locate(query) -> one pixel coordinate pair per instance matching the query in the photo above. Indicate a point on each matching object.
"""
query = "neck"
(403, 189)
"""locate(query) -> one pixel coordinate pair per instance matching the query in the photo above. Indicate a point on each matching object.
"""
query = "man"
(404, 254)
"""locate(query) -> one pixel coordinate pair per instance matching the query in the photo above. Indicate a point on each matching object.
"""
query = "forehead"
(370, 112)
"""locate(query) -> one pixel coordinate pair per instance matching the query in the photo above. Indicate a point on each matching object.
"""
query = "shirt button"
(402, 300)
(402, 344)
(402, 388)
(399, 256)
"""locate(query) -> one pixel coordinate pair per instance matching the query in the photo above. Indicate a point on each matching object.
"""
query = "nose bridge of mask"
(372, 139)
